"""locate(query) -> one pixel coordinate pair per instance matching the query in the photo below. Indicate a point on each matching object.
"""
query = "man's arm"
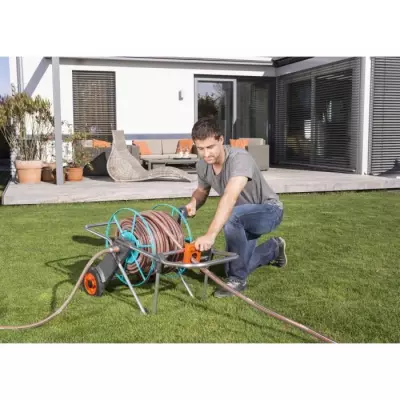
(199, 197)
(224, 210)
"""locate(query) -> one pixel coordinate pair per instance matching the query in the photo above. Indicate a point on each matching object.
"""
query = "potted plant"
(81, 157)
(27, 124)
(49, 165)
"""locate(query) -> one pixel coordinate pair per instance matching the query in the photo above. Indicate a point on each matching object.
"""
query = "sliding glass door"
(318, 117)
(253, 108)
(217, 98)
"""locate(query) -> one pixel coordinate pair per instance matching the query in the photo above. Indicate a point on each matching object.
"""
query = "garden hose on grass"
(264, 310)
(60, 309)
(169, 236)
(163, 228)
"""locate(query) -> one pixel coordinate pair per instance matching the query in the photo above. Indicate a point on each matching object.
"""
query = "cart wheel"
(92, 283)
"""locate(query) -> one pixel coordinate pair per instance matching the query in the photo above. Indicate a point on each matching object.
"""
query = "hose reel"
(143, 231)
(162, 230)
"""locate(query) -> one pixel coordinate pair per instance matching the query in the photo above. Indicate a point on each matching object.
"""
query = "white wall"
(147, 96)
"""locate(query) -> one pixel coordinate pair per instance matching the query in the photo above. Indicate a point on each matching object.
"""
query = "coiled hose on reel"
(168, 236)
(159, 223)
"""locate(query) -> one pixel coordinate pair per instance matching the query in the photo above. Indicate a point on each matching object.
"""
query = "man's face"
(210, 149)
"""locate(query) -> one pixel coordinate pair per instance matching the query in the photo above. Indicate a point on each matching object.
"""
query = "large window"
(253, 109)
(385, 116)
(318, 117)
(241, 105)
(216, 97)
(94, 103)
(333, 98)
(299, 121)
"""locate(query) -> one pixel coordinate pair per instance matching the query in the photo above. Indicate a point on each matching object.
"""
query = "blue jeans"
(245, 225)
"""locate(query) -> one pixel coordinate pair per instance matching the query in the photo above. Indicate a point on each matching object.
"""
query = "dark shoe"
(233, 283)
(281, 260)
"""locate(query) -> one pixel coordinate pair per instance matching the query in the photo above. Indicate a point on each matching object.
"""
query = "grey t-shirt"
(238, 162)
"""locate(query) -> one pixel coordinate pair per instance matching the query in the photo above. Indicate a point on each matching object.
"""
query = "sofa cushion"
(100, 143)
(169, 146)
(154, 145)
(241, 143)
(143, 147)
(255, 141)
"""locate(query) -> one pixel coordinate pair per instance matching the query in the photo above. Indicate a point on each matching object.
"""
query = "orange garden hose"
(163, 224)
(64, 305)
(265, 310)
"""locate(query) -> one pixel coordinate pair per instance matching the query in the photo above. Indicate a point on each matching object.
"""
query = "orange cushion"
(144, 149)
(242, 143)
(100, 143)
(184, 144)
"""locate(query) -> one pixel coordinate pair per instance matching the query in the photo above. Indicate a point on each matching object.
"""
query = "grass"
(342, 279)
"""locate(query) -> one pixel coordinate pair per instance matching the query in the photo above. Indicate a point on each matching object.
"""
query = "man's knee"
(232, 225)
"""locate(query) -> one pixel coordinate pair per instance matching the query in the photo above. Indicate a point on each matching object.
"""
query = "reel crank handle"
(185, 213)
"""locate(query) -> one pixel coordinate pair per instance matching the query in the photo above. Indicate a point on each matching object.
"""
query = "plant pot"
(29, 171)
(49, 173)
(75, 174)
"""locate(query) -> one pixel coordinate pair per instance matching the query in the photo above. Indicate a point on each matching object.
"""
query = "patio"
(97, 189)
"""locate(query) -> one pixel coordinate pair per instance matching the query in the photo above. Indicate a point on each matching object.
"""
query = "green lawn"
(342, 279)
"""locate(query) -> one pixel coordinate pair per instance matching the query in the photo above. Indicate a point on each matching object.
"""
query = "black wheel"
(92, 283)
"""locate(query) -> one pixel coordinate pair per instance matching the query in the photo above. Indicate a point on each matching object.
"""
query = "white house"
(315, 112)
(143, 96)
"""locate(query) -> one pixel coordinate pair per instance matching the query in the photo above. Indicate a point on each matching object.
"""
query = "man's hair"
(206, 127)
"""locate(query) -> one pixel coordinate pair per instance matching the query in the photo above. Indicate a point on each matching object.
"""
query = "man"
(248, 207)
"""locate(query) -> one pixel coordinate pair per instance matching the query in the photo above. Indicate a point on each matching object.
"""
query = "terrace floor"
(97, 189)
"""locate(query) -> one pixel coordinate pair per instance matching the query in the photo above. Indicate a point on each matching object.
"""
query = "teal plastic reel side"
(129, 236)
(150, 248)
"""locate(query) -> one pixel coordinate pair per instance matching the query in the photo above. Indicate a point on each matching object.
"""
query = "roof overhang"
(262, 61)
(269, 66)
(251, 61)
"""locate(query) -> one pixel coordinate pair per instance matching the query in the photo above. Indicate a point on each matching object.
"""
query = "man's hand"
(191, 209)
(199, 197)
(204, 243)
